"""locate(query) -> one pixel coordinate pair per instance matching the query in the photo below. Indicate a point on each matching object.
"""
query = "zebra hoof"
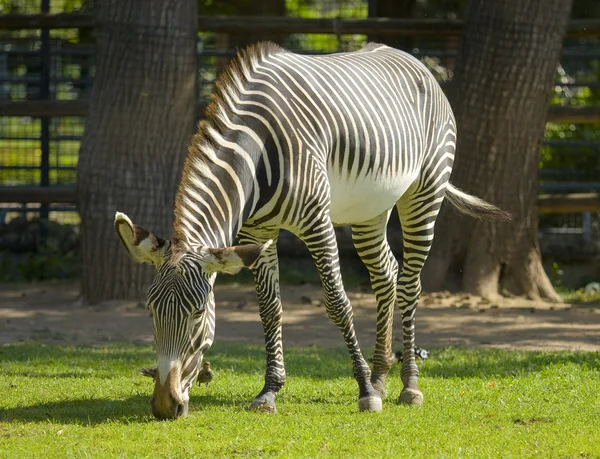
(411, 397)
(261, 405)
(372, 404)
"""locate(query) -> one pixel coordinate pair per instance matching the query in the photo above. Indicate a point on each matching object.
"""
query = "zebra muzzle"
(167, 400)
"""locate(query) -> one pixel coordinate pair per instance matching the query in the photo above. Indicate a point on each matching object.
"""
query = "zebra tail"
(474, 206)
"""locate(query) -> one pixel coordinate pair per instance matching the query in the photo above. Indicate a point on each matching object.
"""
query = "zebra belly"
(357, 200)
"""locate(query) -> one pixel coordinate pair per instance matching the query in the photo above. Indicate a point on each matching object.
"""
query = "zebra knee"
(338, 309)
(409, 291)
(270, 312)
(382, 362)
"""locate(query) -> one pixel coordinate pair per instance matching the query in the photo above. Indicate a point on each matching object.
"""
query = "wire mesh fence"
(60, 65)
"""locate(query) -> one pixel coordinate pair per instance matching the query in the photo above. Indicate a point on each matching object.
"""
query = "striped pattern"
(304, 143)
(183, 312)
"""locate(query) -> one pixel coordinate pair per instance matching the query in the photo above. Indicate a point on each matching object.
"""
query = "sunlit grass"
(90, 402)
(579, 296)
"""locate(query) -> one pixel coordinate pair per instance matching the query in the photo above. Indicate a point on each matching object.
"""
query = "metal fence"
(46, 76)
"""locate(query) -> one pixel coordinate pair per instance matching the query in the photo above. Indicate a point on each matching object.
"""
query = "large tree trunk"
(502, 87)
(141, 119)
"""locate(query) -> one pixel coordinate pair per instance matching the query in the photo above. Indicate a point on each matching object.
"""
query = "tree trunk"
(140, 122)
(500, 95)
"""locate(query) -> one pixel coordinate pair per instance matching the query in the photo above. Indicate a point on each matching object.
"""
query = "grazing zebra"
(303, 143)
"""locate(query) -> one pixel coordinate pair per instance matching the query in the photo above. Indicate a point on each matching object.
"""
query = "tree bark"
(500, 95)
(142, 115)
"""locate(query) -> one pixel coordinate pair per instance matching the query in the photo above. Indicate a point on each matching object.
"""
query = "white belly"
(360, 199)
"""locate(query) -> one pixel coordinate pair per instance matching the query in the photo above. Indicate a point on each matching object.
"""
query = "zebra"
(303, 143)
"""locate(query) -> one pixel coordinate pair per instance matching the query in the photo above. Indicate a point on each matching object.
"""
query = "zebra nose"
(168, 401)
(172, 410)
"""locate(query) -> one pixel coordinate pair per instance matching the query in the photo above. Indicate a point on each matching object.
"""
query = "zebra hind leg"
(322, 245)
(417, 213)
(370, 241)
(266, 277)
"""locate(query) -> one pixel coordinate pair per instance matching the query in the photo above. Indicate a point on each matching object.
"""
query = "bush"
(35, 250)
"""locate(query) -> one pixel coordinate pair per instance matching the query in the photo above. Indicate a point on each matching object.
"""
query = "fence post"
(372, 13)
(45, 121)
(586, 223)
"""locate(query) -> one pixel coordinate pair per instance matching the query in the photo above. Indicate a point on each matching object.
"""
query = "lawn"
(90, 402)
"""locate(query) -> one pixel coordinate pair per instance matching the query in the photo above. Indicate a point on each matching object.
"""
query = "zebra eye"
(197, 312)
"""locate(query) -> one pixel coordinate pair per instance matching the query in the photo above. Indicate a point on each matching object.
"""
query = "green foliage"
(581, 295)
(34, 6)
(49, 251)
(90, 402)
(583, 162)
(47, 264)
(556, 274)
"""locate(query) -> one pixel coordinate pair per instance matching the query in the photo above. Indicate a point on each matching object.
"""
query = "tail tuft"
(473, 206)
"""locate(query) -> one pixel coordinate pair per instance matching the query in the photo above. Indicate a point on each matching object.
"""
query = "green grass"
(90, 402)
(578, 296)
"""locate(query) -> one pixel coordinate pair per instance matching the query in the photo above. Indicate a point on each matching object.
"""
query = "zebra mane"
(233, 79)
(229, 87)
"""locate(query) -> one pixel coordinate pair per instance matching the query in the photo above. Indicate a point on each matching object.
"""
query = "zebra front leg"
(371, 244)
(321, 243)
(266, 277)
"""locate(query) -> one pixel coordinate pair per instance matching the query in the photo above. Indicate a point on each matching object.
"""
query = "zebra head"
(182, 304)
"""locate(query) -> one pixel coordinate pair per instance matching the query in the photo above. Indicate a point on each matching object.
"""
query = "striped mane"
(234, 78)
(228, 88)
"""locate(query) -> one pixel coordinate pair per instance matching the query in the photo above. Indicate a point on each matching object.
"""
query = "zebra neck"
(217, 193)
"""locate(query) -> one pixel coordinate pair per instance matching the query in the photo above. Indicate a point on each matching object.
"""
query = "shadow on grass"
(83, 411)
(94, 411)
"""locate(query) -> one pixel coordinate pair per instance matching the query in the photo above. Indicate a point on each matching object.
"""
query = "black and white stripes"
(304, 143)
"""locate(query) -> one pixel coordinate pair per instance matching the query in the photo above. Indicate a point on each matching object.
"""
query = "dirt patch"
(53, 313)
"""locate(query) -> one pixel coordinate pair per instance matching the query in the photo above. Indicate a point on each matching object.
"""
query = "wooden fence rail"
(45, 108)
(14, 21)
(270, 24)
(26, 194)
(568, 203)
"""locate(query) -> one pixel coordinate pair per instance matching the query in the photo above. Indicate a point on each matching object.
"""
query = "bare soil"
(53, 313)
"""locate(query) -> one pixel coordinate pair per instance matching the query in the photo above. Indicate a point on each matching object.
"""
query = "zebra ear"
(231, 259)
(141, 245)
